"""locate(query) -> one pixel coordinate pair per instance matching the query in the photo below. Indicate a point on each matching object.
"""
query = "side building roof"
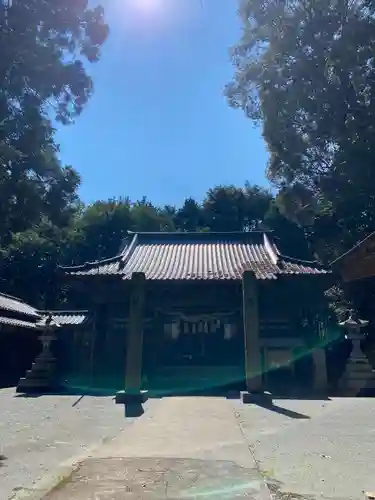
(69, 318)
(198, 256)
(16, 305)
(14, 312)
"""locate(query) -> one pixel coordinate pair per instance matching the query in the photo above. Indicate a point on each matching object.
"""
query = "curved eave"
(88, 265)
(311, 263)
(70, 318)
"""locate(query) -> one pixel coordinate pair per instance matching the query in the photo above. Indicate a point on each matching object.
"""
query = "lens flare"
(148, 5)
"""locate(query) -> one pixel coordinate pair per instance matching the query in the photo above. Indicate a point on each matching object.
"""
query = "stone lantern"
(358, 372)
(42, 377)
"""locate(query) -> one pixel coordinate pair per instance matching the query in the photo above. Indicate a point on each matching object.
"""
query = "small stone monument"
(42, 377)
(358, 372)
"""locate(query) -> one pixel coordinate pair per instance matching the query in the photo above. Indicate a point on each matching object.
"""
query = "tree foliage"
(306, 70)
(43, 47)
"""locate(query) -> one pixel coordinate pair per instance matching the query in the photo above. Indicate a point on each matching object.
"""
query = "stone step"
(359, 366)
(27, 382)
(359, 375)
(353, 384)
(40, 372)
(44, 362)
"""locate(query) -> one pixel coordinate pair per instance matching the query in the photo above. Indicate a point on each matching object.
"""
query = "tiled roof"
(198, 256)
(16, 323)
(12, 304)
(67, 318)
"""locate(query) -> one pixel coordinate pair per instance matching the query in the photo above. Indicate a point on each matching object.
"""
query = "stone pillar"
(133, 375)
(42, 377)
(358, 373)
(320, 370)
(253, 360)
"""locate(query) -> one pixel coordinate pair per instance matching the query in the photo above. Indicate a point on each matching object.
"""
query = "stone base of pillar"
(127, 397)
(259, 398)
(41, 378)
(358, 376)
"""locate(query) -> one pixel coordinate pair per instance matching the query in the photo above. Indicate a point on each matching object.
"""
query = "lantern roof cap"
(353, 321)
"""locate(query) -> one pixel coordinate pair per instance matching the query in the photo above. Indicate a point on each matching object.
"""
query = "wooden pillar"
(133, 375)
(253, 361)
(100, 360)
(253, 358)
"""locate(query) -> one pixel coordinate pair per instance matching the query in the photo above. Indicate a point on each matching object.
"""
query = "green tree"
(190, 217)
(34, 184)
(229, 208)
(148, 218)
(103, 226)
(29, 263)
(305, 70)
(43, 47)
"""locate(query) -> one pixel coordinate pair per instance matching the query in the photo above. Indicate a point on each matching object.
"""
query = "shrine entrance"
(198, 353)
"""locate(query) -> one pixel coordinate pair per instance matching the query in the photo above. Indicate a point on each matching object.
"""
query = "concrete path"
(37, 434)
(183, 448)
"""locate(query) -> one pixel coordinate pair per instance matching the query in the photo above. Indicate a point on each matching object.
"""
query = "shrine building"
(179, 312)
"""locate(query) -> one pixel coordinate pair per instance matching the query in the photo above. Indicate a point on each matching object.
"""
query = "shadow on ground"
(68, 391)
(133, 410)
(284, 411)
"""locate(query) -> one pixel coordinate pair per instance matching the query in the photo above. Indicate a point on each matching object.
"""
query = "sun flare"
(148, 5)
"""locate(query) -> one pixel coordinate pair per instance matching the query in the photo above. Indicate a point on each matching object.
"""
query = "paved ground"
(197, 446)
(37, 434)
(319, 448)
(182, 448)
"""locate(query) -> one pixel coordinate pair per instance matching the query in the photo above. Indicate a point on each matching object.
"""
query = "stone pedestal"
(128, 397)
(261, 398)
(358, 373)
(42, 377)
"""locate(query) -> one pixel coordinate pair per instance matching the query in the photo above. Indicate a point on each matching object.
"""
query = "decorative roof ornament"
(353, 321)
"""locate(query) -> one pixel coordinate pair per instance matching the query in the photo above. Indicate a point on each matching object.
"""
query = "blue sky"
(158, 124)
